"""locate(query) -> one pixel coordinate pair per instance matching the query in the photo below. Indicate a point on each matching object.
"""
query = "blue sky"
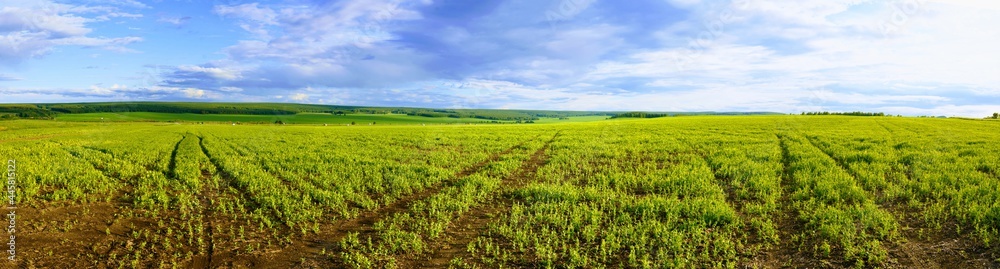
(912, 57)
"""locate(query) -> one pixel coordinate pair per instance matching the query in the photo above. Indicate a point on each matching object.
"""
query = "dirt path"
(840, 162)
(207, 194)
(172, 166)
(784, 254)
(230, 180)
(470, 225)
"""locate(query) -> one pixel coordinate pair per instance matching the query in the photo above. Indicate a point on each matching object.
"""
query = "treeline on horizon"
(25, 112)
(854, 113)
(49, 111)
(493, 114)
(676, 114)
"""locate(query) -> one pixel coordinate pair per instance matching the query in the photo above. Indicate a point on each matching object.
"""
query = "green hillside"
(301, 113)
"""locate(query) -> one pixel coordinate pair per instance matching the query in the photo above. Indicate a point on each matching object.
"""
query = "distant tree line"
(48, 111)
(855, 113)
(170, 108)
(522, 116)
(995, 116)
(24, 112)
(640, 115)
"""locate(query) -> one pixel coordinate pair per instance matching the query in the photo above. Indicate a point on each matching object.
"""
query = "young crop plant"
(671, 192)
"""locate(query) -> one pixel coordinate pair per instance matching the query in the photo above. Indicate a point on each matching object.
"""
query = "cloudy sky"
(913, 57)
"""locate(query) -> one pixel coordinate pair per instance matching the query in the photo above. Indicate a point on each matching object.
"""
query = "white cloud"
(29, 29)
(805, 47)
(252, 12)
(684, 3)
(125, 3)
(176, 21)
(767, 56)
(970, 111)
(111, 15)
(328, 43)
(97, 89)
(194, 93)
(299, 97)
(978, 4)
(214, 72)
(872, 99)
(116, 44)
(6, 77)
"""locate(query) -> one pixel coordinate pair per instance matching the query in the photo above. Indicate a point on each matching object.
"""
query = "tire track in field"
(229, 249)
(882, 124)
(882, 206)
(124, 206)
(231, 181)
(228, 256)
(738, 206)
(367, 220)
(467, 227)
(879, 194)
(840, 162)
(289, 184)
(207, 219)
(904, 128)
(328, 238)
(172, 166)
(843, 166)
(726, 184)
(781, 255)
(118, 203)
(208, 194)
(909, 253)
(125, 191)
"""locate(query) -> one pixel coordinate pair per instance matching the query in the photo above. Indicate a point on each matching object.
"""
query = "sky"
(910, 57)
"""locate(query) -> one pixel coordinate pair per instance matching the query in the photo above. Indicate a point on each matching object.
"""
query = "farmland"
(299, 118)
(698, 191)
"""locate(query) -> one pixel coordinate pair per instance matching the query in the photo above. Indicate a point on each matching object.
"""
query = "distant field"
(301, 118)
(572, 119)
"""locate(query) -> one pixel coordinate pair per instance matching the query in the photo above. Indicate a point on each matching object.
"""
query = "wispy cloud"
(5, 77)
(175, 21)
(32, 29)
(123, 3)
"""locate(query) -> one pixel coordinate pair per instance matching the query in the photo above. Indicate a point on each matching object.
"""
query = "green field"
(677, 192)
(301, 118)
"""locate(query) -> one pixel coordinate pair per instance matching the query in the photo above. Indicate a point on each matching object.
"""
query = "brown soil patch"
(62, 235)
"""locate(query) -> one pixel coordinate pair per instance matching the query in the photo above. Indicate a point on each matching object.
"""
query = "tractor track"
(474, 222)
